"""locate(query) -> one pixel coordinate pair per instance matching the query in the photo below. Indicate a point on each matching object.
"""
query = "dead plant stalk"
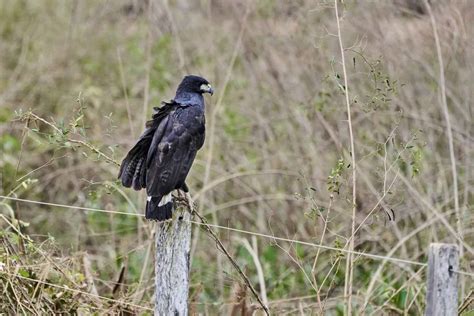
(212, 133)
(449, 133)
(350, 257)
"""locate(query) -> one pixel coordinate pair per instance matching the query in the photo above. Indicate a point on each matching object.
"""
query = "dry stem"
(449, 133)
(219, 244)
(350, 258)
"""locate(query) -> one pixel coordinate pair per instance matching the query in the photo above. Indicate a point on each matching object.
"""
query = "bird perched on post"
(164, 153)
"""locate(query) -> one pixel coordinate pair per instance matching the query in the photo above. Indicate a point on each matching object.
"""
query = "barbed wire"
(241, 231)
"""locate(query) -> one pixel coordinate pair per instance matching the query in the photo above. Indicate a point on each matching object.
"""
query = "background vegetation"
(276, 160)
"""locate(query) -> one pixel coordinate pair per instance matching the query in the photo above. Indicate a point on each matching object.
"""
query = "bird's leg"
(183, 191)
(181, 195)
(189, 200)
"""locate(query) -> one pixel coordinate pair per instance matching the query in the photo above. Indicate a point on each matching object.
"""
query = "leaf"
(24, 273)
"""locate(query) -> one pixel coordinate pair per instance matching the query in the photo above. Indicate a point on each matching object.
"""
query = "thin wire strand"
(464, 273)
(77, 291)
(315, 245)
(70, 206)
(363, 254)
(230, 229)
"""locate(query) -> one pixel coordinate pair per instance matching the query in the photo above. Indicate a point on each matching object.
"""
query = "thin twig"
(313, 269)
(87, 272)
(395, 293)
(214, 236)
(145, 265)
(95, 150)
(297, 262)
(125, 93)
(368, 255)
(469, 299)
(146, 92)
(350, 259)
(176, 37)
(449, 133)
(438, 214)
(77, 291)
(212, 127)
(261, 277)
(76, 141)
(387, 258)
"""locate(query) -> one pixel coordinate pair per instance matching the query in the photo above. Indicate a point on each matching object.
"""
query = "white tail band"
(166, 199)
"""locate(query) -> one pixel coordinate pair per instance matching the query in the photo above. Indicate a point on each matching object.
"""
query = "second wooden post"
(442, 283)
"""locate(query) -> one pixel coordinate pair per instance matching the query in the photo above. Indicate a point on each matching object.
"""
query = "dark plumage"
(164, 153)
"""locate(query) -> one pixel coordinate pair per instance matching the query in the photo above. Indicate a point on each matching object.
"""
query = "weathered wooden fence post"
(442, 291)
(173, 242)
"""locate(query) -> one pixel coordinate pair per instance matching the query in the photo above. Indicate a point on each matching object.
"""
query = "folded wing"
(133, 168)
(175, 150)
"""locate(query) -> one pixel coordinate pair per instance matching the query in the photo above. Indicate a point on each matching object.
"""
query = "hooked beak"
(207, 88)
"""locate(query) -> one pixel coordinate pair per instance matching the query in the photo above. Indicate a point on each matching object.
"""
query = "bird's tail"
(159, 208)
(133, 167)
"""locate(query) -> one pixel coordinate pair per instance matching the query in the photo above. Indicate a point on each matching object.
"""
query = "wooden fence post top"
(173, 245)
(442, 292)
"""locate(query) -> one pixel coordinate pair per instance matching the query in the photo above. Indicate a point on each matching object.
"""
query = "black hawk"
(164, 153)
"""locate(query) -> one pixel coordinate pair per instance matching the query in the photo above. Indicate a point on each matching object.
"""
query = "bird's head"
(194, 84)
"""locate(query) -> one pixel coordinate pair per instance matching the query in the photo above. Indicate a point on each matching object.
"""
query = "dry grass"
(275, 160)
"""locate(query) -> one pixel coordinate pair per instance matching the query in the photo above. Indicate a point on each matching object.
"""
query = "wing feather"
(175, 150)
(133, 168)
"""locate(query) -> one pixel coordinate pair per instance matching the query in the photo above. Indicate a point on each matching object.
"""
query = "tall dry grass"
(276, 156)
